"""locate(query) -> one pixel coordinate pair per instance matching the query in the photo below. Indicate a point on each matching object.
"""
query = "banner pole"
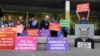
(67, 14)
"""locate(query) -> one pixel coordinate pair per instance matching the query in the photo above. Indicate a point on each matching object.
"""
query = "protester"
(45, 23)
(21, 21)
(10, 22)
(5, 23)
(54, 33)
(83, 20)
(33, 22)
(63, 29)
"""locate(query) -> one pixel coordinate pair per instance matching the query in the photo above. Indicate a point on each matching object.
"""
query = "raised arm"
(88, 15)
(78, 16)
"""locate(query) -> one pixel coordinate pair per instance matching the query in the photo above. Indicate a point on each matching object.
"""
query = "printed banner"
(65, 23)
(44, 33)
(19, 28)
(26, 43)
(32, 32)
(54, 26)
(83, 7)
(84, 45)
(57, 44)
(7, 38)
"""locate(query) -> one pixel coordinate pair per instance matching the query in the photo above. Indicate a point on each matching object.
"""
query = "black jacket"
(44, 24)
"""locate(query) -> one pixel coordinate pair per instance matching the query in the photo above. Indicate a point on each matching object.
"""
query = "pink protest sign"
(83, 7)
(26, 43)
(19, 28)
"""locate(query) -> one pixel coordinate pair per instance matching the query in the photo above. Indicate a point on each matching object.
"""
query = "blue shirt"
(83, 21)
(64, 30)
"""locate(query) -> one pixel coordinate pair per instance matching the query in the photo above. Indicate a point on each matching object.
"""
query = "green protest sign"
(65, 23)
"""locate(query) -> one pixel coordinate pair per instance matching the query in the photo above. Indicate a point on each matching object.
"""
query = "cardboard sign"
(20, 28)
(57, 44)
(54, 26)
(7, 38)
(26, 43)
(82, 7)
(32, 32)
(44, 33)
(84, 45)
(65, 23)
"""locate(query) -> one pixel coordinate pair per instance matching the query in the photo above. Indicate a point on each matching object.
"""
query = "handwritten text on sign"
(57, 44)
(26, 43)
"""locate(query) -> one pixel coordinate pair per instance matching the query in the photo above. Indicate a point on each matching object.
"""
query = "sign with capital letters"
(26, 43)
(7, 38)
(57, 44)
(82, 7)
(54, 26)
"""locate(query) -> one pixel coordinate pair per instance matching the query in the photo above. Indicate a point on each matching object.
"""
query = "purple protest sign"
(57, 44)
(44, 33)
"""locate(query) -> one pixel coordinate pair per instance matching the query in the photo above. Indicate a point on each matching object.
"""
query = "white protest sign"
(84, 45)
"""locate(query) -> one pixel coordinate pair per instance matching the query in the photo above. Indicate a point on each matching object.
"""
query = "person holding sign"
(21, 21)
(83, 41)
(20, 29)
(33, 22)
(83, 8)
(63, 22)
(54, 27)
(83, 20)
(22, 26)
(45, 23)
